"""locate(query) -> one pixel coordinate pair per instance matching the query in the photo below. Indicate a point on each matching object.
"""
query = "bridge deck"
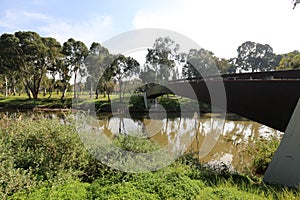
(270, 102)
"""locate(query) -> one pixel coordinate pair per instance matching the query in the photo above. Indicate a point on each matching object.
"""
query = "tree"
(223, 65)
(122, 67)
(53, 58)
(108, 88)
(96, 62)
(65, 77)
(34, 61)
(148, 75)
(199, 63)
(161, 61)
(290, 61)
(256, 57)
(75, 52)
(10, 59)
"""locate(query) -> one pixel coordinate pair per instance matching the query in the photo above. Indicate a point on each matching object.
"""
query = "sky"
(216, 25)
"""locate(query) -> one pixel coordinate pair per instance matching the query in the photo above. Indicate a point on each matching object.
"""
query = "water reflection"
(178, 132)
(182, 134)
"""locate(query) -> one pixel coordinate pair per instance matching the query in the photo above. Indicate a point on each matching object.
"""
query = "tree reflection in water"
(179, 132)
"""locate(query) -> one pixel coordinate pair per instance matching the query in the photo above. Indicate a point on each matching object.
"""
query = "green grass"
(136, 103)
(45, 159)
(23, 103)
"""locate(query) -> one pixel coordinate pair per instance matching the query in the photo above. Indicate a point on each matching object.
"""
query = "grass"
(43, 158)
(135, 103)
(23, 103)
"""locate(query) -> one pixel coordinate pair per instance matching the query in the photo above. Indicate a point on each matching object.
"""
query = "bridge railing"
(269, 75)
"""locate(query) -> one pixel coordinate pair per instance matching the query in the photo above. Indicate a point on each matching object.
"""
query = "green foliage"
(263, 151)
(75, 52)
(138, 144)
(120, 68)
(71, 189)
(116, 191)
(170, 104)
(45, 159)
(169, 183)
(200, 63)
(161, 60)
(290, 61)
(45, 147)
(256, 57)
(227, 193)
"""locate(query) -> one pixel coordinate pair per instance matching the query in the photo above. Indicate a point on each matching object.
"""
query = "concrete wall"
(285, 166)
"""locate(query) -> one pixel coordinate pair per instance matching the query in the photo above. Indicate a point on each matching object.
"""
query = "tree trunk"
(64, 92)
(6, 87)
(35, 95)
(14, 90)
(74, 90)
(27, 91)
(14, 82)
(108, 97)
(91, 90)
(120, 90)
(97, 94)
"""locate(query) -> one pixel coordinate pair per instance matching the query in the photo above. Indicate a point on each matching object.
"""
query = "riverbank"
(43, 158)
(134, 103)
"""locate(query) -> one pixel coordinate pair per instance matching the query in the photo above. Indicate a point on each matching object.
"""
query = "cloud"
(93, 28)
(221, 26)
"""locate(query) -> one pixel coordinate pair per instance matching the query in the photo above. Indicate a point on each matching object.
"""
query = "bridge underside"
(269, 102)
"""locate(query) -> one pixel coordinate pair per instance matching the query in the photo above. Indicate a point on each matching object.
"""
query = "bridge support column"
(284, 168)
(145, 100)
(148, 102)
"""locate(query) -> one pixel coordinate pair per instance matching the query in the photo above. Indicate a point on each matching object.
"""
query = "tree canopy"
(31, 63)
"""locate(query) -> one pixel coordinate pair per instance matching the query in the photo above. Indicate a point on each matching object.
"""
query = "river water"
(228, 145)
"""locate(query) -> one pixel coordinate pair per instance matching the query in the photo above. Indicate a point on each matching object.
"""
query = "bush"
(263, 151)
(39, 149)
(44, 146)
(169, 183)
(72, 190)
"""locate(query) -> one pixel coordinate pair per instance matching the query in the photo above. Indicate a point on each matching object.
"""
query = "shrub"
(263, 151)
(72, 189)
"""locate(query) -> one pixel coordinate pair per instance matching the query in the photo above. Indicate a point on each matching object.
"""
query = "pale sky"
(216, 25)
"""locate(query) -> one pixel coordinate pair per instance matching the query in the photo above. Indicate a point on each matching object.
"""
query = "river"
(226, 147)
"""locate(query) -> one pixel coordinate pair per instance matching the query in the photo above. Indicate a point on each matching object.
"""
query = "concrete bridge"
(270, 98)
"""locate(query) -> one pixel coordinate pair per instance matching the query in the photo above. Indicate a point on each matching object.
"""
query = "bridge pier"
(148, 102)
(284, 168)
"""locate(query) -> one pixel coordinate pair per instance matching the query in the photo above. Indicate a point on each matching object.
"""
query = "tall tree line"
(31, 63)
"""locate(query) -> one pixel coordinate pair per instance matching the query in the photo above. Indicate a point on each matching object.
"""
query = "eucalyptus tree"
(53, 58)
(10, 60)
(103, 81)
(199, 63)
(34, 59)
(75, 52)
(256, 57)
(121, 68)
(96, 63)
(161, 61)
